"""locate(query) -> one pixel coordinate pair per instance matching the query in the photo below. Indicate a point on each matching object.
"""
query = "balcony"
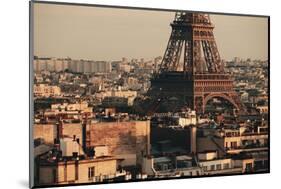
(247, 148)
(224, 171)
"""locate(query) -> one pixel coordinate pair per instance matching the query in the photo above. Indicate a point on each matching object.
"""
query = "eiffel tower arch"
(214, 95)
(191, 72)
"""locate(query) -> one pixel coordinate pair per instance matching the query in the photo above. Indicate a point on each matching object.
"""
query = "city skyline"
(77, 29)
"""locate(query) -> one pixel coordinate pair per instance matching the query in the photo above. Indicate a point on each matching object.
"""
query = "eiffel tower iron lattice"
(191, 72)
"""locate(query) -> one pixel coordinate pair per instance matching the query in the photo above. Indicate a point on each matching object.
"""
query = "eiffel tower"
(191, 72)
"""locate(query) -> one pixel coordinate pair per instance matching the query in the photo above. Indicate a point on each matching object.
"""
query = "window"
(106, 176)
(205, 168)
(248, 167)
(165, 167)
(97, 179)
(226, 166)
(233, 144)
(91, 172)
(218, 166)
(212, 167)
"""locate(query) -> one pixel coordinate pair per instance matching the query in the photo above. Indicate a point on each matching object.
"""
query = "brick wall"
(128, 140)
(48, 132)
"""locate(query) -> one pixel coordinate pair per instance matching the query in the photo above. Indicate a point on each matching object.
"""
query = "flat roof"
(162, 159)
(183, 157)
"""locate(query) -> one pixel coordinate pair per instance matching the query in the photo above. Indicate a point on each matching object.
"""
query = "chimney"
(193, 131)
(60, 129)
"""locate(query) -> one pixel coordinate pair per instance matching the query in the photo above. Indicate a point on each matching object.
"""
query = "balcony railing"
(247, 147)
(225, 171)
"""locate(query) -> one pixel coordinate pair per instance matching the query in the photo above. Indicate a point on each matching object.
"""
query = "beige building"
(83, 106)
(79, 171)
(188, 119)
(78, 109)
(69, 165)
(127, 94)
(49, 132)
(72, 130)
(114, 101)
(124, 67)
(211, 164)
(45, 132)
(69, 146)
(43, 90)
(50, 64)
(233, 141)
(250, 148)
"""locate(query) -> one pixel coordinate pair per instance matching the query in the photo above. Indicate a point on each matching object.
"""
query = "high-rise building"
(101, 66)
(40, 64)
(87, 66)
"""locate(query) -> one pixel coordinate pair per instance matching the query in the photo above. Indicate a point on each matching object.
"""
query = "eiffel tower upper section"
(192, 39)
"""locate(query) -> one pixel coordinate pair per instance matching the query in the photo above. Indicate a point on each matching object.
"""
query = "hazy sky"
(110, 34)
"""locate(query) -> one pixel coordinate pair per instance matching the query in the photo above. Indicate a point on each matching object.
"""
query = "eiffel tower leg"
(198, 104)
